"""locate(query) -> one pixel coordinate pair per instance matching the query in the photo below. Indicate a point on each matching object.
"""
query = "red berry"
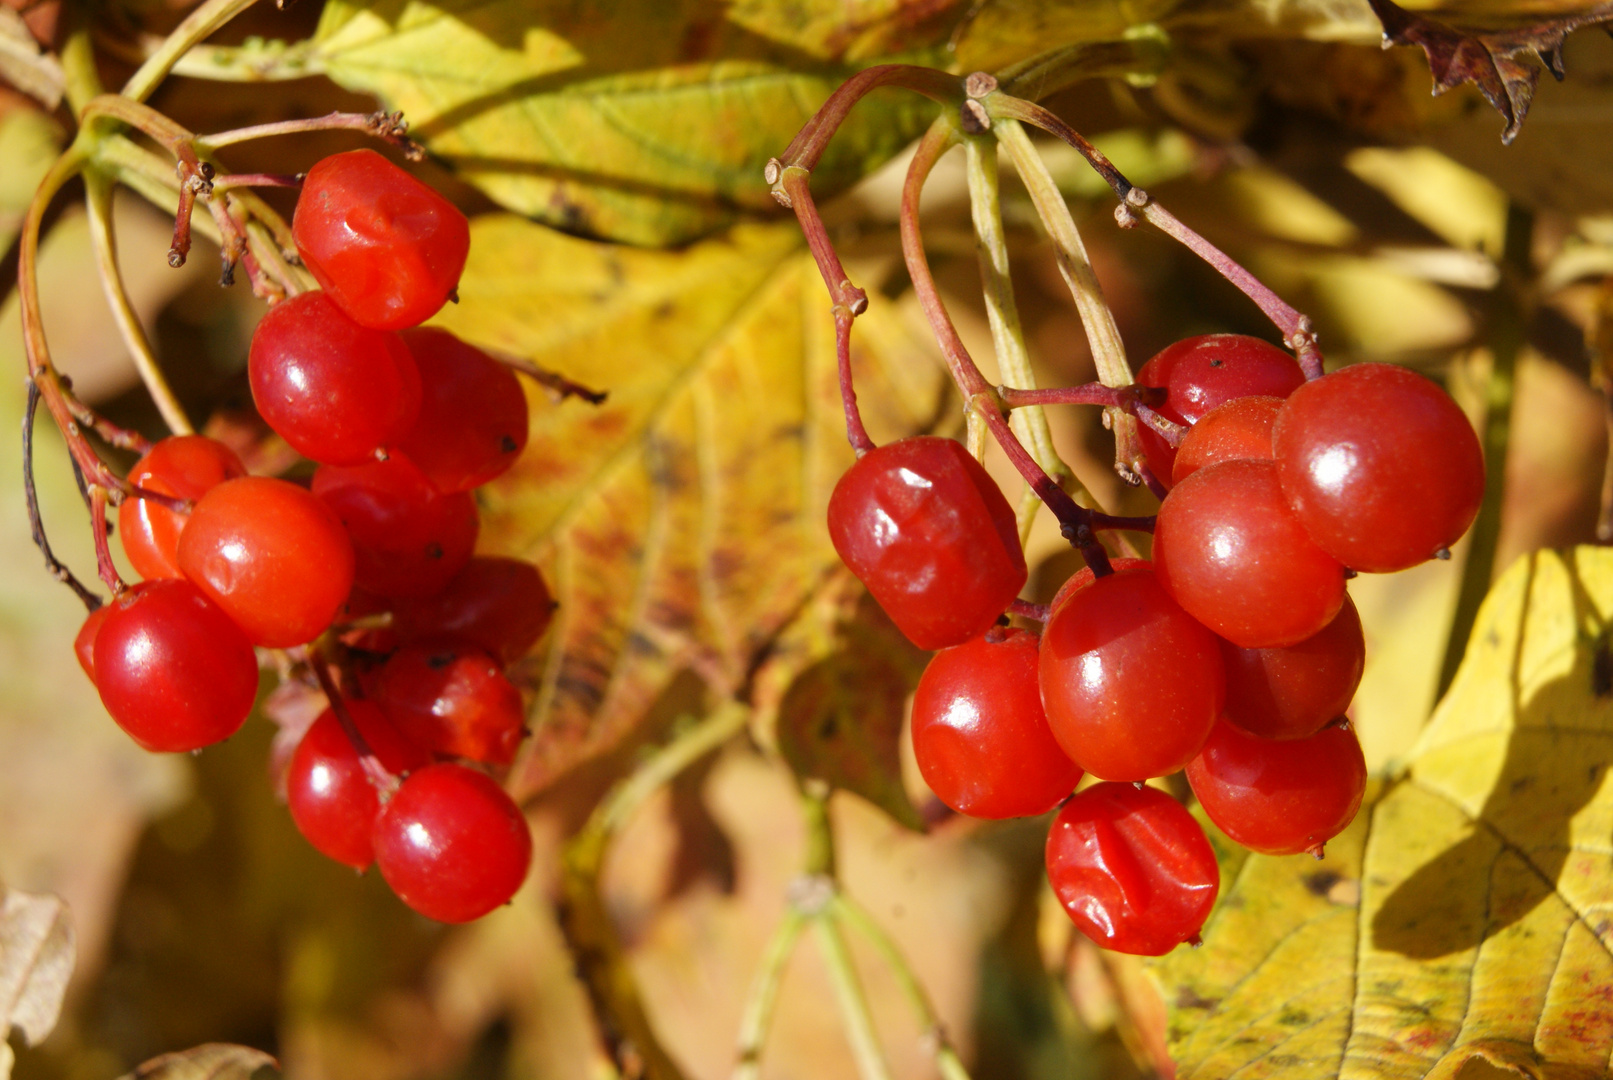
(501, 605)
(407, 539)
(1084, 577)
(186, 467)
(172, 669)
(271, 555)
(452, 844)
(1200, 373)
(473, 419)
(335, 390)
(331, 799)
(1131, 683)
(979, 732)
(1380, 466)
(387, 247)
(923, 525)
(1293, 692)
(84, 643)
(1240, 430)
(1229, 551)
(1280, 797)
(452, 698)
(1132, 868)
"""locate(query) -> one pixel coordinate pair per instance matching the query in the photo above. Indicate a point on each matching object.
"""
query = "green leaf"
(1465, 913)
(650, 124)
(681, 522)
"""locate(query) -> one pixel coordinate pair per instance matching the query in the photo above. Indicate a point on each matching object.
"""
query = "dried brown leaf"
(36, 960)
(209, 1061)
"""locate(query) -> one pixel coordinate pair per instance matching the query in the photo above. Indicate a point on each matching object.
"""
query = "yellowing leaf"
(1468, 911)
(847, 29)
(681, 522)
(36, 960)
(649, 124)
(210, 1061)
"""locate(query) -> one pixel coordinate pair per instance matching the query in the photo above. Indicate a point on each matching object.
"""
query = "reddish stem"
(1169, 430)
(1027, 610)
(383, 125)
(856, 433)
(104, 566)
(1119, 397)
(245, 180)
(809, 143)
(36, 521)
(380, 778)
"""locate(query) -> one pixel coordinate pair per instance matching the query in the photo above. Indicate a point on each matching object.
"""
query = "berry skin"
(269, 553)
(979, 732)
(1132, 868)
(331, 800)
(185, 466)
(1132, 684)
(84, 643)
(923, 525)
(1084, 577)
(1280, 797)
(1229, 551)
(1240, 430)
(1380, 466)
(452, 698)
(336, 391)
(452, 844)
(1200, 373)
(501, 605)
(387, 247)
(473, 416)
(407, 539)
(1294, 692)
(172, 669)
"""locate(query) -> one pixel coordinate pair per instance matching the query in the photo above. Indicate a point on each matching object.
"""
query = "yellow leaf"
(650, 123)
(210, 1061)
(681, 522)
(1466, 912)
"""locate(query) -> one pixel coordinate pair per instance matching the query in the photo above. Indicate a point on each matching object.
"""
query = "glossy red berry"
(1131, 683)
(979, 732)
(273, 556)
(186, 467)
(332, 801)
(1240, 430)
(1293, 692)
(1229, 551)
(1084, 577)
(408, 540)
(1132, 868)
(84, 643)
(387, 247)
(454, 699)
(501, 605)
(473, 416)
(172, 669)
(1200, 373)
(1380, 466)
(452, 844)
(1280, 797)
(336, 391)
(924, 526)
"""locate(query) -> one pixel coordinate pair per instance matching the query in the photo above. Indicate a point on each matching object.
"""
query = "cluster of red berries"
(403, 423)
(1232, 654)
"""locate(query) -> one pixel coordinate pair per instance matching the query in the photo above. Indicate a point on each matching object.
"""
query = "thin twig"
(390, 127)
(557, 384)
(379, 776)
(36, 521)
(763, 1000)
(854, 1011)
(196, 27)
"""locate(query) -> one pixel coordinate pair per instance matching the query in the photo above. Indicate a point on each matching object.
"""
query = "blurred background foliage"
(612, 157)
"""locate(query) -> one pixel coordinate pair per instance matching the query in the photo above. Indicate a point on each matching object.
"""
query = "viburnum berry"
(173, 670)
(273, 556)
(1379, 465)
(1295, 691)
(332, 802)
(452, 698)
(1280, 797)
(84, 643)
(924, 526)
(1131, 683)
(186, 467)
(502, 605)
(336, 391)
(1227, 548)
(408, 540)
(473, 415)
(1200, 373)
(979, 733)
(1084, 577)
(452, 844)
(1240, 430)
(1132, 868)
(388, 248)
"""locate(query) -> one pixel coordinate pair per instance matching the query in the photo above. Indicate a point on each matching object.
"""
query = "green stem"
(763, 1000)
(1508, 329)
(197, 27)
(78, 66)
(859, 1020)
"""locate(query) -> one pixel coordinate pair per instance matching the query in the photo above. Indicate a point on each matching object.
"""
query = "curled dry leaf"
(1489, 59)
(209, 1061)
(36, 960)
